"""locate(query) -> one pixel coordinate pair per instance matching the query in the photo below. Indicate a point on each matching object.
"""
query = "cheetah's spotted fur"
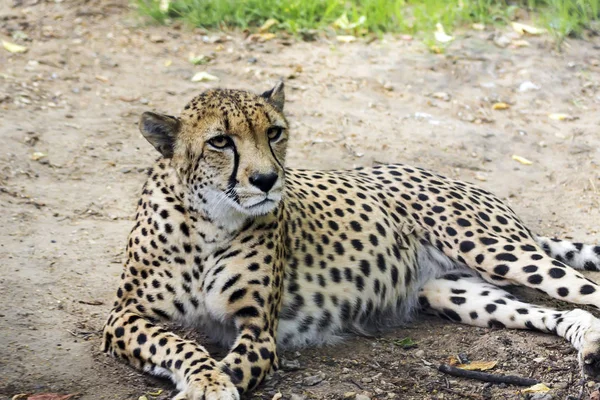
(261, 257)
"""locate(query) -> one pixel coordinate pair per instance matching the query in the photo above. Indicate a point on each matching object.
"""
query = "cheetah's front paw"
(589, 355)
(209, 385)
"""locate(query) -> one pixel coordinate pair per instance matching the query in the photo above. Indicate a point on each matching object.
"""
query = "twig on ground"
(487, 377)
(582, 389)
(357, 384)
(533, 370)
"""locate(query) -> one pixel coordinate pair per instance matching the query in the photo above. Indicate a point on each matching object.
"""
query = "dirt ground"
(72, 164)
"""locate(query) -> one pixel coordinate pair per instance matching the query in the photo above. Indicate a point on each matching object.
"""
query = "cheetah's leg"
(129, 336)
(243, 290)
(472, 301)
(576, 255)
(504, 261)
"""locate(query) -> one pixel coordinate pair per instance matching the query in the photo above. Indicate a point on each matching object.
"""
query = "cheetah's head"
(228, 148)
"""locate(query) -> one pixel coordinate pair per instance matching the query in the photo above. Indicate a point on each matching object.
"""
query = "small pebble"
(362, 397)
(290, 365)
(541, 396)
(561, 385)
(313, 380)
(419, 353)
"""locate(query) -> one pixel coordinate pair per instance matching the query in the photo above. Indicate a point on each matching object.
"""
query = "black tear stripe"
(275, 157)
(271, 147)
(232, 179)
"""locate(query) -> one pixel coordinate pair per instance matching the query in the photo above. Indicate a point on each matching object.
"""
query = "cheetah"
(261, 257)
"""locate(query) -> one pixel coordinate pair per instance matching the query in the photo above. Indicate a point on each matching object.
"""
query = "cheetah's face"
(228, 148)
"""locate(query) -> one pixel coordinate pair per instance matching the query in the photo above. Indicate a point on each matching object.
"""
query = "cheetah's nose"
(264, 181)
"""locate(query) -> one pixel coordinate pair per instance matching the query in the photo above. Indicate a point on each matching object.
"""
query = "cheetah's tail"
(576, 255)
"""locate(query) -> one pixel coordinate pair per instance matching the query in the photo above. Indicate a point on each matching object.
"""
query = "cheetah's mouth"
(262, 205)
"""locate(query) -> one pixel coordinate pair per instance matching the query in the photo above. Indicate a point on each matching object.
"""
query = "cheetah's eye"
(220, 142)
(274, 133)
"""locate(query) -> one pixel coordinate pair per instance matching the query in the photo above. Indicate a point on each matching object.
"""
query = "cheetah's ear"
(276, 96)
(160, 130)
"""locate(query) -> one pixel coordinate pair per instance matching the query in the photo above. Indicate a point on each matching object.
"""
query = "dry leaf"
(52, 396)
(440, 34)
(129, 99)
(527, 86)
(261, 37)
(478, 365)
(520, 43)
(500, 106)
(154, 394)
(523, 29)
(522, 160)
(480, 177)
(101, 78)
(168, 63)
(13, 48)
(478, 27)
(441, 96)
(38, 155)
(436, 49)
(164, 6)
(142, 398)
(198, 60)
(453, 361)
(539, 388)
(277, 396)
(204, 77)
(343, 22)
(561, 117)
(268, 25)
(345, 38)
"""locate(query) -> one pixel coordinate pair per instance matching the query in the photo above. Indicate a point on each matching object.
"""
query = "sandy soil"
(91, 69)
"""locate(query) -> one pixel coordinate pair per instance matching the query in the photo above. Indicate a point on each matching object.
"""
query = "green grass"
(562, 18)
